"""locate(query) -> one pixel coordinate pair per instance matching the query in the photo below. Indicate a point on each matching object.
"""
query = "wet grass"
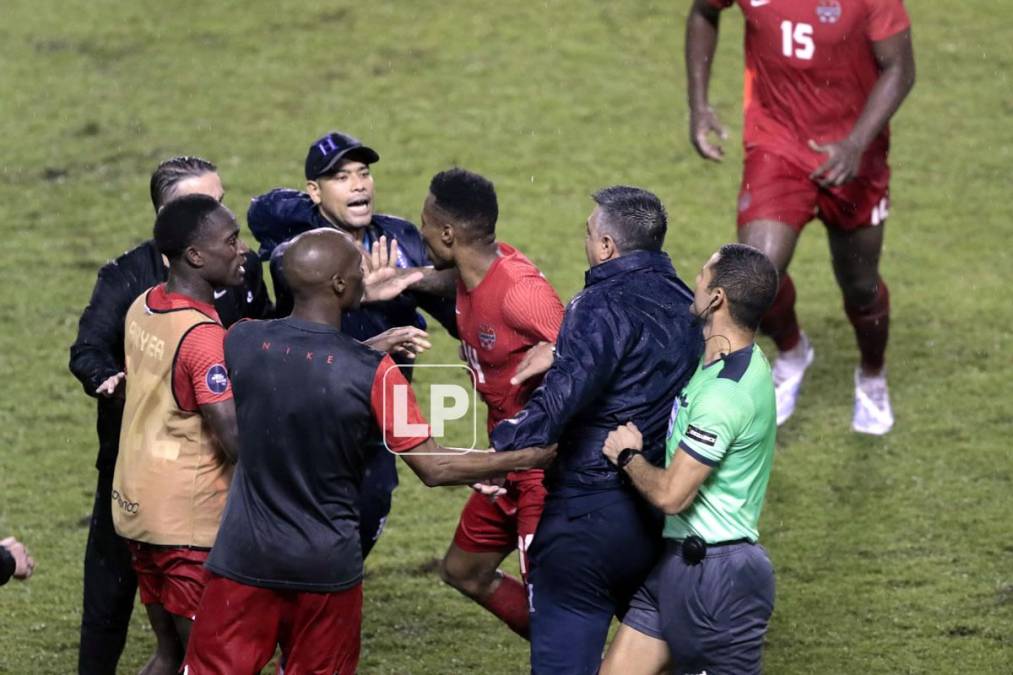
(893, 554)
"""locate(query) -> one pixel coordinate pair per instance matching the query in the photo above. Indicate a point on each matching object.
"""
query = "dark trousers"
(584, 570)
(109, 587)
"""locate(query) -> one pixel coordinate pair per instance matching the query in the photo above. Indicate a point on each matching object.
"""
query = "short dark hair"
(181, 222)
(173, 171)
(635, 218)
(470, 199)
(749, 280)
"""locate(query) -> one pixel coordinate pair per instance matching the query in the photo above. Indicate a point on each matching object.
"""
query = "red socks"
(871, 323)
(509, 602)
(780, 322)
(872, 327)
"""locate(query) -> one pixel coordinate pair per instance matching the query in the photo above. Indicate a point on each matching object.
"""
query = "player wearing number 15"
(823, 78)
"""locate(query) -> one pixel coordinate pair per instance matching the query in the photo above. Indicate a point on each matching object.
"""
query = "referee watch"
(626, 456)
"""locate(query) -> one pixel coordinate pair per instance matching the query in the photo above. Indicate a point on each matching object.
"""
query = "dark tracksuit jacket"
(627, 346)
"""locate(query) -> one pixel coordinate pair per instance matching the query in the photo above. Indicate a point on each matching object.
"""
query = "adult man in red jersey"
(286, 568)
(178, 439)
(823, 78)
(504, 307)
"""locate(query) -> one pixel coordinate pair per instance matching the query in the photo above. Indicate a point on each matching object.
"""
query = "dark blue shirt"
(279, 215)
(627, 346)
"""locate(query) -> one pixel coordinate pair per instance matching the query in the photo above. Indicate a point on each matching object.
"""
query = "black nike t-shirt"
(308, 399)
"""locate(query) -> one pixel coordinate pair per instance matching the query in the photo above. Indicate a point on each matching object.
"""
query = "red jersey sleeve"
(532, 308)
(395, 409)
(200, 377)
(886, 18)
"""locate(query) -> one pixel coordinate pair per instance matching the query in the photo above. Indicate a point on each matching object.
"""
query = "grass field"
(893, 555)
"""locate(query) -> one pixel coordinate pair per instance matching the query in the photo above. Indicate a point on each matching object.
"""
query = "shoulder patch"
(700, 436)
(217, 379)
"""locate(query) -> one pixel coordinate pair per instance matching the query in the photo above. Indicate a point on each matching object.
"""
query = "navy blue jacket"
(281, 214)
(627, 346)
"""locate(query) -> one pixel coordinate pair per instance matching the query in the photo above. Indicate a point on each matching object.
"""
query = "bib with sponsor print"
(170, 486)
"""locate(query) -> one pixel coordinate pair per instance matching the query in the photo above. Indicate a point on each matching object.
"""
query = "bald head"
(324, 265)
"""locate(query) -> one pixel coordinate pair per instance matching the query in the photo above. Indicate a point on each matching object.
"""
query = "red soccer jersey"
(199, 376)
(511, 309)
(387, 377)
(809, 70)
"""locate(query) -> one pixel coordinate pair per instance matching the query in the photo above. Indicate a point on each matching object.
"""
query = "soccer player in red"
(823, 78)
(178, 439)
(286, 568)
(504, 307)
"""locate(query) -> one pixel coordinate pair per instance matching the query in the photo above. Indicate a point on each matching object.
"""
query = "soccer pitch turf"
(893, 555)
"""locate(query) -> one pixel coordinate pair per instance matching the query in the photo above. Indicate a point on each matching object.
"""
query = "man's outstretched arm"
(436, 465)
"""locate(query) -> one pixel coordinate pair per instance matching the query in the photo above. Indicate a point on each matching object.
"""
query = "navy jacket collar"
(638, 260)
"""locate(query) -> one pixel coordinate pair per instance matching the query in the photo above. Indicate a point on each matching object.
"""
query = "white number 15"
(797, 40)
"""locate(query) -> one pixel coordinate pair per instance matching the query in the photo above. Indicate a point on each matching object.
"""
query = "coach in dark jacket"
(627, 345)
(339, 195)
(96, 357)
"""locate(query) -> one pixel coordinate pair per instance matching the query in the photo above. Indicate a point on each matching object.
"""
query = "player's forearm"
(701, 42)
(463, 468)
(221, 420)
(894, 84)
(442, 283)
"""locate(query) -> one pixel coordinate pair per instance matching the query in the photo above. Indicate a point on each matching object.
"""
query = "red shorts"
(775, 188)
(173, 577)
(238, 628)
(505, 523)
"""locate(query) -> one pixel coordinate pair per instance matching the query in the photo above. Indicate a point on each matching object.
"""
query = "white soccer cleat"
(873, 414)
(789, 369)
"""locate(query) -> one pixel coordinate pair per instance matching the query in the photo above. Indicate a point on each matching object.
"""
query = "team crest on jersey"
(217, 379)
(829, 11)
(486, 337)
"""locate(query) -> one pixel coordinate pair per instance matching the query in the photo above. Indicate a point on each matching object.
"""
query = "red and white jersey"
(810, 68)
(512, 309)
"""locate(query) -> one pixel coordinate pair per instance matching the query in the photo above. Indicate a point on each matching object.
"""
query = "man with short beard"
(706, 605)
(627, 345)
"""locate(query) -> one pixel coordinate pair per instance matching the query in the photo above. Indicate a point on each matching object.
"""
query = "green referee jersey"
(726, 417)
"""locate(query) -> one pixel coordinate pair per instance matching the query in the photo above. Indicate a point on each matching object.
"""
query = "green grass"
(893, 555)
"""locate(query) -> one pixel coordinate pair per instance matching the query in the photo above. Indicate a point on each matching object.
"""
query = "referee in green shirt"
(706, 605)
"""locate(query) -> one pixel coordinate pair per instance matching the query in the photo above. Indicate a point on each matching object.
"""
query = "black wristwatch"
(626, 456)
